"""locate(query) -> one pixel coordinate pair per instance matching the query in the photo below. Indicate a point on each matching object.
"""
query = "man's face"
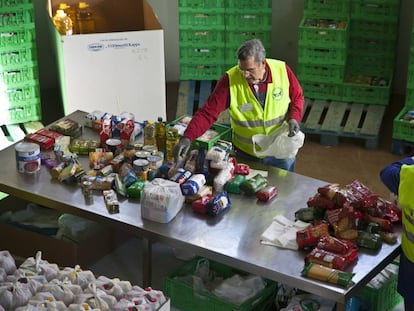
(251, 71)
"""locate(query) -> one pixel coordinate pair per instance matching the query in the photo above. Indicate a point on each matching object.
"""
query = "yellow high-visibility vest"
(247, 115)
(406, 201)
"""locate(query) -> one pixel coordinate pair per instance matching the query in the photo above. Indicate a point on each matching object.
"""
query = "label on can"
(27, 157)
(140, 165)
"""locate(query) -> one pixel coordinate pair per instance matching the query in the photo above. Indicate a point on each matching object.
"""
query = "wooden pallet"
(332, 120)
(11, 133)
(192, 95)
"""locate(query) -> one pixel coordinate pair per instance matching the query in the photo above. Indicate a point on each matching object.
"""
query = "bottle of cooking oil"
(172, 140)
(149, 134)
(160, 134)
(71, 13)
(63, 23)
(85, 18)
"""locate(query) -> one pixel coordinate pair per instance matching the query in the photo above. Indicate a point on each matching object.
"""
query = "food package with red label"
(309, 237)
(43, 141)
(200, 205)
(127, 127)
(242, 169)
(329, 259)
(335, 245)
(267, 193)
(218, 204)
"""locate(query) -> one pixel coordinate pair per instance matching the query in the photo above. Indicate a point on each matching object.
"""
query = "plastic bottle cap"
(60, 13)
(83, 5)
(63, 6)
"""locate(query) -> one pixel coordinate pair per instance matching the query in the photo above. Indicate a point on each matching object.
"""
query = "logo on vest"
(277, 93)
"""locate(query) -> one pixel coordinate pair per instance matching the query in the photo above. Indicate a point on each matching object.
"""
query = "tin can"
(87, 190)
(114, 145)
(140, 165)
(27, 157)
(155, 162)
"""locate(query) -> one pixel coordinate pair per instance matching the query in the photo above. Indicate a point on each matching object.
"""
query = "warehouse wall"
(286, 18)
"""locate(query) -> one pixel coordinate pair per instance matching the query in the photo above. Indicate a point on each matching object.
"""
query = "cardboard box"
(120, 68)
(24, 243)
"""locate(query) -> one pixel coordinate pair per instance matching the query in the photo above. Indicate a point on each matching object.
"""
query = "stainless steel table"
(232, 238)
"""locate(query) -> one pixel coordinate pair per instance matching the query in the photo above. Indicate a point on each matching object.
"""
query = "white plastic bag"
(161, 200)
(278, 144)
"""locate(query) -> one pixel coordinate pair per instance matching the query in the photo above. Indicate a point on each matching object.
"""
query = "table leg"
(146, 262)
(340, 306)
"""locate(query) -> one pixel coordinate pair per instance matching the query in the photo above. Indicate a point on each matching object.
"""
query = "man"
(260, 94)
(399, 179)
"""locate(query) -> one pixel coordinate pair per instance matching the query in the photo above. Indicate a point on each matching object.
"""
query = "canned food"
(27, 157)
(140, 165)
(114, 145)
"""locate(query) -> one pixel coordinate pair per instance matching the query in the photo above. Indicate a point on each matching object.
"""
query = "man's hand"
(293, 127)
(181, 148)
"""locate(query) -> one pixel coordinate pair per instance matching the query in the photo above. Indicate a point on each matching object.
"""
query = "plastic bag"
(278, 144)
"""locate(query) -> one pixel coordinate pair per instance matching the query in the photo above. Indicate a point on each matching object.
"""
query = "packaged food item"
(326, 274)
(335, 245)
(242, 169)
(193, 184)
(223, 176)
(330, 259)
(369, 240)
(204, 190)
(309, 214)
(309, 237)
(218, 204)
(200, 206)
(252, 185)
(44, 142)
(135, 190)
(233, 185)
(111, 201)
(161, 200)
(267, 193)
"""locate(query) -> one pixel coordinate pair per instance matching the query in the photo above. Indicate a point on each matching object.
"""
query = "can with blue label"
(27, 157)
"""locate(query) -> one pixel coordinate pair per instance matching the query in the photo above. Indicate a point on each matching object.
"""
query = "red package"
(106, 130)
(335, 245)
(309, 237)
(48, 133)
(43, 141)
(200, 205)
(127, 128)
(242, 169)
(322, 202)
(329, 259)
(267, 193)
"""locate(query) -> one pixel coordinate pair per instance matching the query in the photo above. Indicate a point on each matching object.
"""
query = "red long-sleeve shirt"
(219, 100)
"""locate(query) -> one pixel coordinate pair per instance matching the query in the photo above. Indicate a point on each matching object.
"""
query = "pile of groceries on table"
(336, 222)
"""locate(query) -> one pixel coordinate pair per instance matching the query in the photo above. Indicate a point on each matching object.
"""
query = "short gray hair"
(252, 48)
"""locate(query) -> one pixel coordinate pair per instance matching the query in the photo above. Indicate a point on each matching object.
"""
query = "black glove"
(181, 148)
(293, 127)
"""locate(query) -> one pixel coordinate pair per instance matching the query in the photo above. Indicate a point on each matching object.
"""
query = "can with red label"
(27, 157)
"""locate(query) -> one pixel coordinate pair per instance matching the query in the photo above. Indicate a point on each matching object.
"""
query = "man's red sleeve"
(296, 97)
(205, 116)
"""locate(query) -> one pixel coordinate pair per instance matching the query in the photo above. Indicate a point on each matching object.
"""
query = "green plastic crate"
(384, 298)
(14, 3)
(224, 133)
(323, 56)
(327, 8)
(327, 91)
(201, 4)
(379, 47)
(371, 63)
(200, 72)
(409, 98)
(16, 36)
(24, 112)
(314, 32)
(185, 298)
(200, 54)
(248, 20)
(403, 129)
(16, 16)
(376, 10)
(237, 37)
(374, 30)
(190, 19)
(366, 94)
(22, 55)
(21, 92)
(321, 73)
(249, 4)
(19, 75)
(211, 38)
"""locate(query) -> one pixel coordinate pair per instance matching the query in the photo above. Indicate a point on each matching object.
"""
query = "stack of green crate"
(210, 31)
(245, 20)
(372, 51)
(19, 83)
(201, 34)
(323, 48)
(403, 126)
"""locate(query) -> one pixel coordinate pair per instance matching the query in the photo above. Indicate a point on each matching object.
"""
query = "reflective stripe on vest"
(247, 115)
(406, 201)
